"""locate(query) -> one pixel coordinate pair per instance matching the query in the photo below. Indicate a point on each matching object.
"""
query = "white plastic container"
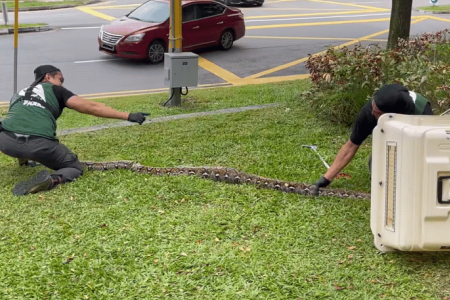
(410, 190)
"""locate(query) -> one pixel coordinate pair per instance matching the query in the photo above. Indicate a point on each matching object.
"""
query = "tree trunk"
(400, 22)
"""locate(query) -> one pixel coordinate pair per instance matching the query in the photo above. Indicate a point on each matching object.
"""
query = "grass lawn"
(122, 235)
(26, 3)
(435, 8)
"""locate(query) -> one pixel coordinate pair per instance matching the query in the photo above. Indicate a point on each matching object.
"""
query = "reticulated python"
(228, 175)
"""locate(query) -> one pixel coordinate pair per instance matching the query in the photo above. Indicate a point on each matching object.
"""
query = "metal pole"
(16, 41)
(175, 38)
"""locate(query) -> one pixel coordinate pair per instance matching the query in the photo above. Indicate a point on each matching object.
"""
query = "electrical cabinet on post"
(180, 69)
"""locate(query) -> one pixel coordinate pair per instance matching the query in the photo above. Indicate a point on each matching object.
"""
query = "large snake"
(228, 175)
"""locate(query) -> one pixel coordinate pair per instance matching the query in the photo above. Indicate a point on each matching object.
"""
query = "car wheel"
(226, 40)
(155, 53)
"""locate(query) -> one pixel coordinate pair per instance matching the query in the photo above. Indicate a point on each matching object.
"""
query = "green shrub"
(344, 79)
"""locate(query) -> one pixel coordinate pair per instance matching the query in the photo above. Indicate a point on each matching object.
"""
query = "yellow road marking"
(246, 81)
(307, 38)
(299, 61)
(299, 8)
(438, 19)
(352, 5)
(117, 6)
(309, 15)
(140, 92)
(95, 13)
(218, 71)
(321, 23)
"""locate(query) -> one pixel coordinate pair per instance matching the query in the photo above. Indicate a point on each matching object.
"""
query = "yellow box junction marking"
(309, 14)
(299, 61)
(233, 79)
(308, 38)
(377, 9)
(95, 13)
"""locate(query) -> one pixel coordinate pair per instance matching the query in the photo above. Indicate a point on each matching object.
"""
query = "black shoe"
(41, 182)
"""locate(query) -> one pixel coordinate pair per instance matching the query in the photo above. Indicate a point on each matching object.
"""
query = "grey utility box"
(180, 69)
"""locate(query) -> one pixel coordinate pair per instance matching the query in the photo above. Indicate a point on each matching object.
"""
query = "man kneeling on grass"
(29, 129)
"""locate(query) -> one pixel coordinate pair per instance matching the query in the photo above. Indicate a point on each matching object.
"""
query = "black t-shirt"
(366, 122)
(62, 95)
(364, 125)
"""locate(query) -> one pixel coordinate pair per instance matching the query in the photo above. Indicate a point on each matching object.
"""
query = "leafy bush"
(344, 79)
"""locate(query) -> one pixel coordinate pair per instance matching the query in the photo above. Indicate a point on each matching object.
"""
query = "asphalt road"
(279, 37)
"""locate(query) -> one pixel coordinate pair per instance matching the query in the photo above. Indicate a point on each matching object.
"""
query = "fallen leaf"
(199, 241)
(71, 198)
(161, 211)
(32, 248)
(351, 248)
(182, 200)
(217, 240)
(156, 261)
(337, 287)
(184, 254)
(69, 259)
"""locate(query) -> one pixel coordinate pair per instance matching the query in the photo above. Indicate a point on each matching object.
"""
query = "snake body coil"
(228, 175)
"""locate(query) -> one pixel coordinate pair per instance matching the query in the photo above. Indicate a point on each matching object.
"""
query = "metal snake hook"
(314, 147)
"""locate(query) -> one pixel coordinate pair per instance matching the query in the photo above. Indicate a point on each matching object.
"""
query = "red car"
(144, 32)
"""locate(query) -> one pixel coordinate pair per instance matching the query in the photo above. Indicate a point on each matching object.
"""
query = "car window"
(151, 11)
(209, 9)
(188, 13)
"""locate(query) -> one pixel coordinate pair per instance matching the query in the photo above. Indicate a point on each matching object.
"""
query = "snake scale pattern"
(228, 175)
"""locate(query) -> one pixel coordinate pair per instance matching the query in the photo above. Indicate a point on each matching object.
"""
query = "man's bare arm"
(94, 108)
(343, 158)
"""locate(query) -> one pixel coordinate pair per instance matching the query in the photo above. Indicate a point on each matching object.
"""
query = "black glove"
(138, 117)
(322, 182)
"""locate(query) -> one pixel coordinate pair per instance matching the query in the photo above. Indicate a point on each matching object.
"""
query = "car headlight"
(135, 37)
(100, 34)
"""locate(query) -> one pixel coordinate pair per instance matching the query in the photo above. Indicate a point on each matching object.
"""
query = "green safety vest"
(419, 102)
(35, 115)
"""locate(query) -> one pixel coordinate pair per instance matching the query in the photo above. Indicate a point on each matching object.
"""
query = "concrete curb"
(431, 12)
(164, 119)
(54, 6)
(26, 29)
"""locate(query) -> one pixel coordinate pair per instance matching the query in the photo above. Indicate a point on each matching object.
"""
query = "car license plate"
(107, 47)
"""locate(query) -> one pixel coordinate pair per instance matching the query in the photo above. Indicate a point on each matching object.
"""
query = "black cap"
(39, 72)
(394, 98)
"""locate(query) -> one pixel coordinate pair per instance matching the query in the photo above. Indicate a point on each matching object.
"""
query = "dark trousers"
(49, 153)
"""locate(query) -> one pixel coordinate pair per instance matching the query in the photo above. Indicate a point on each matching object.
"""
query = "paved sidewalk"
(164, 119)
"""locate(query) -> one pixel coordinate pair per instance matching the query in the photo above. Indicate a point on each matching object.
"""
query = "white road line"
(95, 60)
(72, 28)
(326, 17)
